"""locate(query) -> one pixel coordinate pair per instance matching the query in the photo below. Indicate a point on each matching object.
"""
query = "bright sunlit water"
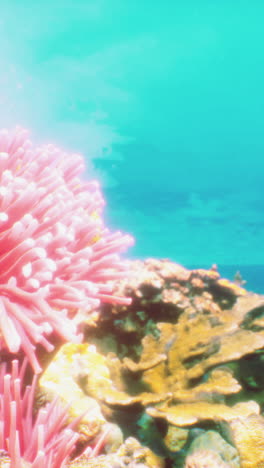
(165, 99)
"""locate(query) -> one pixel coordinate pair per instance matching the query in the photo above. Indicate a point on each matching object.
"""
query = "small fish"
(170, 343)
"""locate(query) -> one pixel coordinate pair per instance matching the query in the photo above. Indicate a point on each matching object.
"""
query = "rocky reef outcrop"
(181, 369)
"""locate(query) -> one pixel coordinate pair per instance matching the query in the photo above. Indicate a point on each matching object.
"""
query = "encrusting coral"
(129, 455)
(61, 379)
(57, 257)
(186, 355)
(205, 459)
(247, 436)
(214, 446)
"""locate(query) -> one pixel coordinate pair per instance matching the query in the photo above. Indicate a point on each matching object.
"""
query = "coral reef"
(162, 366)
(178, 352)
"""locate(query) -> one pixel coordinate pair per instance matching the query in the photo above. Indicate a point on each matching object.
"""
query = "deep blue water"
(252, 274)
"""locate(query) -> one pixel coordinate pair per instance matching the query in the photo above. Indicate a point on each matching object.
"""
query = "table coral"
(198, 336)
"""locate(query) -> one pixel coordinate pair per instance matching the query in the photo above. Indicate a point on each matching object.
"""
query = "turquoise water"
(165, 100)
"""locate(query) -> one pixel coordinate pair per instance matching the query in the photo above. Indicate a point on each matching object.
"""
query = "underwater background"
(165, 100)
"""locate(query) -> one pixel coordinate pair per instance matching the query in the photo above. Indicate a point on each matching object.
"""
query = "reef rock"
(131, 454)
(213, 442)
(205, 459)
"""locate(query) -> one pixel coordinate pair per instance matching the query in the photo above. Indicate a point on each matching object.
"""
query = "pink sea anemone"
(56, 256)
(39, 441)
